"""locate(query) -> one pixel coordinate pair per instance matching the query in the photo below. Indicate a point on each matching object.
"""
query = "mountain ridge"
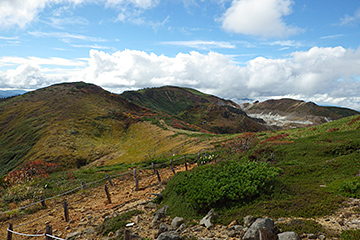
(76, 124)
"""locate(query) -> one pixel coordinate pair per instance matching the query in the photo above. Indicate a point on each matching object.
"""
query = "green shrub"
(216, 185)
(350, 188)
(350, 234)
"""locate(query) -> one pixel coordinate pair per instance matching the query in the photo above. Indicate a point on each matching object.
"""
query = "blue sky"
(235, 49)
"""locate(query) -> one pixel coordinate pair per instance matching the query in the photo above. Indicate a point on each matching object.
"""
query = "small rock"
(311, 236)
(253, 232)
(206, 221)
(137, 219)
(237, 228)
(150, 205)
(73, 235)
(164, 228)
(288, 236)
(181, 228)
(232, 233)
(169, 236)
(176, 222)
(159, 214)
(232, 224)
(248, 220)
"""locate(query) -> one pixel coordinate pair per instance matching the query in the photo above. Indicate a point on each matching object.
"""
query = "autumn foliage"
(31, 170)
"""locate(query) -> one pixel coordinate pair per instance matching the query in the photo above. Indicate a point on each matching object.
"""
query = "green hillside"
(203, 111)
(75, 124)
(311, 172)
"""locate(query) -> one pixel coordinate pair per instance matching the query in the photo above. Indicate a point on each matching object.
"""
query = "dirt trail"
(89, 208)
(92, 206)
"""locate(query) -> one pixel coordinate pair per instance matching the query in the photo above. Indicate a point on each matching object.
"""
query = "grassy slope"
(77, 123)
(318, 163)
(201, 110)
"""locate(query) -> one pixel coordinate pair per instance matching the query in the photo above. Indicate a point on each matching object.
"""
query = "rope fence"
(135, 172)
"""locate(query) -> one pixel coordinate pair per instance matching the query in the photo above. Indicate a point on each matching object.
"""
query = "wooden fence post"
(48, 230)
(9, 235)
(198, 158)
(186, 168)
(66, 211)
(136, 181)
(172, 167)
(107, 193)
(158, 175)
(127, 235)
(109, 179)
(42, 201)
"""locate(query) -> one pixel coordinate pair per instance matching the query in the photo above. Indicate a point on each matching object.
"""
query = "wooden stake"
(107, 193)
(9, 235)
(42, 201)
(136, 181)
(109, 179)
(186, 168)
(172, 167)
(158, 175)
(66, 211)
(127, 235)
(48, 230)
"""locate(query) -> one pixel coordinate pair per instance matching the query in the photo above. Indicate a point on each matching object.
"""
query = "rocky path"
(89, 208)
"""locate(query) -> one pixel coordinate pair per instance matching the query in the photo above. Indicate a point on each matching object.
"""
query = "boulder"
(176, 222)
(288, 236)
(206, 221)
(260, 224)
(169, 236)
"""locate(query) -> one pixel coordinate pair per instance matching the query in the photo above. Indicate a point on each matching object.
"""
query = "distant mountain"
(201, 110)
(295, 113)
(75, 124)
(173, 100)
(10, 93)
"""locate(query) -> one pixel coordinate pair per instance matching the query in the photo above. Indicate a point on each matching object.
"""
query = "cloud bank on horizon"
(251, 49)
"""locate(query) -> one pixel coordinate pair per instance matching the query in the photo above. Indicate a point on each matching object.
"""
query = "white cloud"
(259, 18)
(350, 20)
(22, 12)
(198, 44)
(65, 35)
(323, 75)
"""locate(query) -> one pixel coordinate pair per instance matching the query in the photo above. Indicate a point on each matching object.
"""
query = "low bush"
(350, 234)
(213, 186)
(350, 188)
